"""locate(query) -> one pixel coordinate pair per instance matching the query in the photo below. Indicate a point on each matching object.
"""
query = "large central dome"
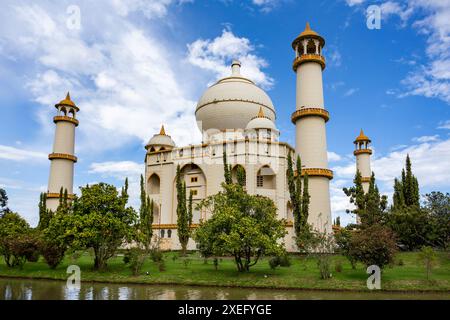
(232, 102)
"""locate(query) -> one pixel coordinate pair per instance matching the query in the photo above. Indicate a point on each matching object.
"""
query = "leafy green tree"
(406, 191)
(338, 221)
(428, 257)
(299, 200)
(370, 206)
(227, 169)
(241, 225)
(12, 227)
(438, 206)
(44, 213)
(3, 201)
(373, 245)
(102, 221)
(145, 218)
(240, 176)
(183, 219)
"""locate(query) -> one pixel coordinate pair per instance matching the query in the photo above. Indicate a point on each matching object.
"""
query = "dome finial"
(261, 113)
(68, 96)
(162, 132)
(307, 26)
(236, 68)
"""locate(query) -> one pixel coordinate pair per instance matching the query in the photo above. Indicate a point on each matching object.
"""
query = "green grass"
(302, 274)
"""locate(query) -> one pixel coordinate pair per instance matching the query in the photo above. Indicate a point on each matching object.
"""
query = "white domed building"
(236, 116)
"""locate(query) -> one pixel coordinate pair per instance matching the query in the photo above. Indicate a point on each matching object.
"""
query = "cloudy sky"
(132, 65)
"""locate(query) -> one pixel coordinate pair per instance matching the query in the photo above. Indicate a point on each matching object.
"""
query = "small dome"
(261, 122)
(161, 139)
(362, 137)
(67, 102)
(232, 102)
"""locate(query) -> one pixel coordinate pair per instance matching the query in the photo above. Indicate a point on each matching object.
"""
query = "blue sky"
(133, 65)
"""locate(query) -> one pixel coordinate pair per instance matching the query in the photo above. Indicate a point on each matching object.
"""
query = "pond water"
(23, 289)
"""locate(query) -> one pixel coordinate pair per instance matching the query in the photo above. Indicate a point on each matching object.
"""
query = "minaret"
(362, 153)
(62, 158)
(310, 118)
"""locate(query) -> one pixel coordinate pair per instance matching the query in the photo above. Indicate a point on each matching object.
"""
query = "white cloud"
(119, 169)
(432, 18)
(215, 56)
(15, 154)
(335, 57)
(426, 138)
(350, 92)
(333, 156)
(444, 125)
(266, 5)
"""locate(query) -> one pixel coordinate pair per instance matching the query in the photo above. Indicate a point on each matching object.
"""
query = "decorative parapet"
(308, 58)
(56, 196)
(318, 172)
(66, 119)
(362, 151)
(63, 156)
(194, 225)
(309, 112)
(365, 179)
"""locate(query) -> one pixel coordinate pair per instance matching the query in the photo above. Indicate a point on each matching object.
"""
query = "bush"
(52, 253)
(135, 258)
(374, 245)
(282, 261)
(156, 254)
(216, 263)
(343, 237)
(428, 257)
(324, 262)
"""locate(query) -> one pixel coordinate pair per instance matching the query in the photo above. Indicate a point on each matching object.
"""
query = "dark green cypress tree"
(226, 168)
(44, 213)
(240, 175)
(182, 212)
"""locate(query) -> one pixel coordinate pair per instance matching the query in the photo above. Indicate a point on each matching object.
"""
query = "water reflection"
(14, 289)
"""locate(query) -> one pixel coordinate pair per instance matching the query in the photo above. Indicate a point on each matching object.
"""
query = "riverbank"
(406, 275)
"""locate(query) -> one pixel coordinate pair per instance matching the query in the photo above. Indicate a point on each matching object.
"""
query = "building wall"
(209, 173)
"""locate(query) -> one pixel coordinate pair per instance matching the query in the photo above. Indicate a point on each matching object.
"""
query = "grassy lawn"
(302, 274)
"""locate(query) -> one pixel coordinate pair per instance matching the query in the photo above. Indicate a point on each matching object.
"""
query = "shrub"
(216, 263)
(323, 262)
(156, 254)
(53, 254)
(374, 245)
(428, 257)
(282, 261)
(343, 237)
(135, 258)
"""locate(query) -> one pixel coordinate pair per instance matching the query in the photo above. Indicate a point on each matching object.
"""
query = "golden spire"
(261, 113)
(67, 102)
(162, 132)
(307, 28)
(362, 137)
(68, 96)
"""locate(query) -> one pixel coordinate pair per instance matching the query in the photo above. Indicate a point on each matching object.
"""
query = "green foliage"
(44, 214)
(279, 261)
(438, 206)
(101, 221)
(406, 191)
(374, 245)
(226, 169)
(3, 201)
(184, 214)
(299, 200)
(338, 221)
(427, 256)
(240, 176)
(12, 228)
(343, 238)
(412, 226)
(242, 225)
(324, 265)
(145, 230)
(338, 266)
(156, 254)
(370, 206)
(135, 258)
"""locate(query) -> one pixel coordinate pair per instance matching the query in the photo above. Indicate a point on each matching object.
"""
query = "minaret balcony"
(362, 151)
(308, 112)
(51, 195)
(308, 58)
(63, 156)
(365, 179)
(318, 172)
(67, 119)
